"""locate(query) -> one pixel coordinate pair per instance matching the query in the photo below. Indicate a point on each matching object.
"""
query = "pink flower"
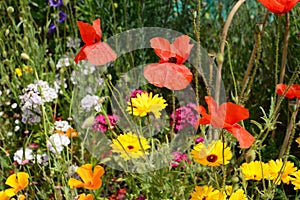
(185, 116)
(178, 157)
(101, 125)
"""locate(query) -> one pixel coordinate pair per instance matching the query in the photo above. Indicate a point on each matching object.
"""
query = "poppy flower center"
(130, 147)
(212, 158)
(172, 60)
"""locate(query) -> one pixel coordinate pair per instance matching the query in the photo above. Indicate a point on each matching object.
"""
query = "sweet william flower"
(279, 6)
(226, 116)
(91, 177)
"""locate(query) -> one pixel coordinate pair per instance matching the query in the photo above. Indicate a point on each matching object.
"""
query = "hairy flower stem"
(290, 132)
(252, 58)
(223, 43)
(285, 47)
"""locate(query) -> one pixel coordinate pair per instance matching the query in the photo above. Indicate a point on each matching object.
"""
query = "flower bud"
(4, 54)
(6, 32)
(10, 9)
(25, 56)
(220, 58)
(250, 155)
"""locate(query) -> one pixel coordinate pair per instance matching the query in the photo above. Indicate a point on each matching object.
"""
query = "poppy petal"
(87, 32)
(85, 173)
(290, 94)
(182, 44)
(74, 183)
(97, 28)
(217, 116)
(234, 113)
(100, 53)
(80, 55)
(10, 192)
(169, 75)
(242, 135)
(163, 48)
(22, 179)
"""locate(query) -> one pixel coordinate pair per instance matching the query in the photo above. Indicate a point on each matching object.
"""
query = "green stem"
(285, 47)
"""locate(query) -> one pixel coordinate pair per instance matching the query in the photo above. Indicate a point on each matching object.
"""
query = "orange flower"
(18, 182)
(91, 180)
(70, 132)
(279, 6)
(3, 196)
(293, 91)
(85, 197)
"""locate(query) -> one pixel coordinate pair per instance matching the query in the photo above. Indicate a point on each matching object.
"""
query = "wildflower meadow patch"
(136, 100)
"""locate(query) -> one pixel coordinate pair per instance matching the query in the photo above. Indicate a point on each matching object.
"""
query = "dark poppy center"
(212, 158)
(204, 198)
(172, 60)
(130, 147)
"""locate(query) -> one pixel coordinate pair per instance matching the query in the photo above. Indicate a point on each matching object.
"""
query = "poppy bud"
(25, 56)
(250, 155)
(4, 54)
(116, 5)
(109, 77)
(10, 9)
(25, 40)
(6, 32)
(220, 58)
(235, 179)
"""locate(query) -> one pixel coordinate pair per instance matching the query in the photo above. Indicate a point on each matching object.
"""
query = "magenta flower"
(178, 157)
(134, 93)
(199, 139)
(185, 116)
(101, 125)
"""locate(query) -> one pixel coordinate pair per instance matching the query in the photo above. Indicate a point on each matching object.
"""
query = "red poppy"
(96, 52)
(226, 116)
(279, 6)
(293, 91)
(170, 72)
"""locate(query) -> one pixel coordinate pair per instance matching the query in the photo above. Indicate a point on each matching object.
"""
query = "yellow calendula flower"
(238, 195)
(130, 146)
(211, 155)
(298, 141)
(18, 72)
(287, 170)
(207, 193)
(255, 170)
(296, 181)
(145, 103)
(17, 181)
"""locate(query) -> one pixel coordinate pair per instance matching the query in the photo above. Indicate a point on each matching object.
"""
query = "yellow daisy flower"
(211, 155)
(144, 103)
(238, 195)
(296, 181)
(275, 167)
(207, 193)
(255, 170)
(130, 146)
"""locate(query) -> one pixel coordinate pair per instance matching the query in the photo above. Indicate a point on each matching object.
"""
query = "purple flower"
(51, 28)
(101, 125)
(62, 17)
(184, 116)
(178, 157)
(55, 3)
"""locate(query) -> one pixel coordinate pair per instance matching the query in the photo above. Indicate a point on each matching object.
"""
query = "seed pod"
(25, 56)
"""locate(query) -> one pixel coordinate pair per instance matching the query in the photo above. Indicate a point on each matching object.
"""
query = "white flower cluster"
(64, 61)
(62, 125)
(90, 102)
(57, 142)
(23, 157)
(34, 96)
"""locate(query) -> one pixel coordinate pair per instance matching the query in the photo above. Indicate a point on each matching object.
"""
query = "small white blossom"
(57, 142)
(42, 159)
(62, 125)
(18, 156)
(90, 102)
(9, 133)
(17, 128)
